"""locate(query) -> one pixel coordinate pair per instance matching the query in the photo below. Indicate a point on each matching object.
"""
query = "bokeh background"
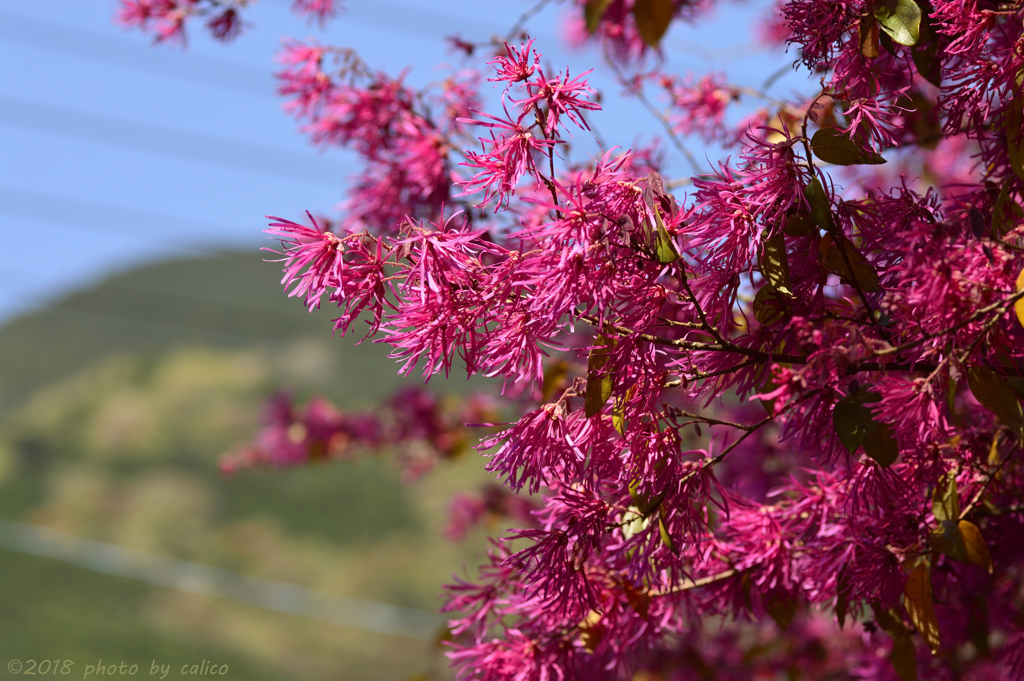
(140, 330)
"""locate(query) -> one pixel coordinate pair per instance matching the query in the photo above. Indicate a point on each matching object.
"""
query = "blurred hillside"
(229, 301)
(114, 406)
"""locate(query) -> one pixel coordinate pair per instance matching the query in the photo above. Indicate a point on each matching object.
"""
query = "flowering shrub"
(786, 400)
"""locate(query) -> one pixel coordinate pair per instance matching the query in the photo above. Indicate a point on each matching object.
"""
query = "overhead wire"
(54, 208)
(83, 43)
(50, 208)
(283, 597)
(230, 75)
(136, 136)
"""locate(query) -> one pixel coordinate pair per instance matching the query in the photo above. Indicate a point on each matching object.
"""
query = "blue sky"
(115, 152)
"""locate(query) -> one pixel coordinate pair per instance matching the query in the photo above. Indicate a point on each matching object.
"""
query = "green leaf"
(842, 597)
(798, 223)
(1015, 132)
(977, 550)
(928, 53)
(746, 585)
(886, 42)
(1018, 307)
(619, 410)
(900, 19)
(880, 445)
(945, 499)
(821, 208)
(832, 146)
(1006, 213)
(947, 540)
(775, 264)
(593, 11)
(664, 249)
(927, 127)
(652, 19)
(863, 271)
(554, 379)
(770, 306)
(599, 381)
(634, 486)
(920, 606)
(867, 36)
(998, 397)
(951, 395)
(852, 420)
(646, 505)
(781, 605)
(902, 657)
(619, 417)
(666, 538)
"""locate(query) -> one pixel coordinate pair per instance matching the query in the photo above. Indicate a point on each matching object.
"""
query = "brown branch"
(1005, 304)
(988, 481)
(662, 118)
(751, 429)
(688, 584)
(526, 16)
(708, 420)
(711, 374)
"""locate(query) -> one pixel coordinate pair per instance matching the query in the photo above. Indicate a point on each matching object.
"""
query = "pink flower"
(511, 156)
(700, 108)
(517, 66)
(226, 25)
(166, 18)
(313, 258)
(317, 10)
(563, 97)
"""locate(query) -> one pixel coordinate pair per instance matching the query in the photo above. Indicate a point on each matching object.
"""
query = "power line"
(163, 141)
(406, 19)
(64, 210)
(379, 618)
(83, 43)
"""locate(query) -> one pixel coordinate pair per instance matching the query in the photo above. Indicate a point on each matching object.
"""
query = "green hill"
(116, 403)
(233, 300)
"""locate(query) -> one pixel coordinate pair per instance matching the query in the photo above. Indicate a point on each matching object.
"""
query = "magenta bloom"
(317, 10)
(759, 423)
(511, 156)
(313, 258)
(699, 108)
(518, 66)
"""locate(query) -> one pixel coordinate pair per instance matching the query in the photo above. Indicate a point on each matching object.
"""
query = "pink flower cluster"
(775, 404)
(167, 20)
(417, 426)
(404, 137)
(699, 108)
(533, 132)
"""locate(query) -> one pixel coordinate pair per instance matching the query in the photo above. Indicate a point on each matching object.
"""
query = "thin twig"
(707, 419)
(698, 375)
(527, 15)
(700, 311)
(988, 480)
(775, 76)
(766, 420)
(754, 92)
(1005, 304)
(688, 584)
(678, 143)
